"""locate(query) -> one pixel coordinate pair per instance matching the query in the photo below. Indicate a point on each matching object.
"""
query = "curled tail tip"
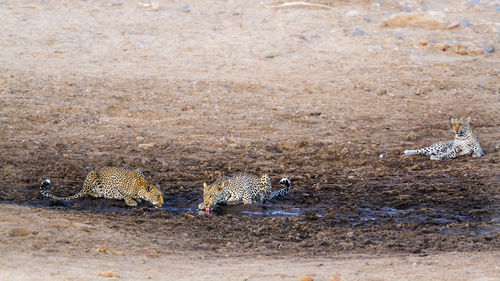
(45, 183)
(286, 182)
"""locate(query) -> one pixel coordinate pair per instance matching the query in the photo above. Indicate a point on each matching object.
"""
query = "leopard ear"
(148, 188)
(468, 119)
(452, 120)
(205, 186)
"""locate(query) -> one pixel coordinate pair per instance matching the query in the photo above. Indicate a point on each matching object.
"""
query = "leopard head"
(461, 126)
(212, 194)
(154, 195)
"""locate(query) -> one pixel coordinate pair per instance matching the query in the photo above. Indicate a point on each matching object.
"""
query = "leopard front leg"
(130, 201)
(477, 153)
(247, 198)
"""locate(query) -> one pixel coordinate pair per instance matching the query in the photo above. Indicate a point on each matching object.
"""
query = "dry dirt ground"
(188, 91)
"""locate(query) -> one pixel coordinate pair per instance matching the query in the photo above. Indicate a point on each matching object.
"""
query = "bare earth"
(189, 91)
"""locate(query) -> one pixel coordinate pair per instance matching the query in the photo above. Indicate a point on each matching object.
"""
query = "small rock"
(441, 46)
(406, 9)
(19, 232)
(488, 48)
(271, 55)
(430, 18)
(185, 8)
(306, 278)
(465, 23)
(109, 274)
(477, 52)
(116, 4)
(422, 42)
(146, 145)
(399, 35)
(353, 13)
(300, 36)
(381, 92)
(152, 255)
(244, 278)
(367, 19)
(102, 249)
(461, 50)
(473, 3)
(453, 25)
(358, 32)
(153, 6)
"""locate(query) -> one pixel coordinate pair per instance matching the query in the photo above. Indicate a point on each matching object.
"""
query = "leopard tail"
(45, 193)
(288, 185)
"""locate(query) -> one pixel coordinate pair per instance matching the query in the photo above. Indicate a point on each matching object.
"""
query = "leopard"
(466, 142)
(242, 188)
(115, 183)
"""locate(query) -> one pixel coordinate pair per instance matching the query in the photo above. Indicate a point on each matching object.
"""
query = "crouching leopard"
(240, 188)
(115, 183)
(466, 142)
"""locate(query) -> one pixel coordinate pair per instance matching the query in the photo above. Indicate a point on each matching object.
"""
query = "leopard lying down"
(115, 183)
(241, 188)
(466, 142)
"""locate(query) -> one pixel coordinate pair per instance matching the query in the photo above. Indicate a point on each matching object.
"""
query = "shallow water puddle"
(451, 220)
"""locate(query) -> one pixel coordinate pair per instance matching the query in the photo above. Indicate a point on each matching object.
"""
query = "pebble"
(430, 18)
(453, 25)
(473, 3)
(185, 8)
(152, 255)
(488, 48)
(441, 46)
(381, 92)
(465, 23)
(399, 35)
(109, 274)
(145, 145)
(353, 13)
(367, 19)
(477, 52)
(358, 32)
(18, 232)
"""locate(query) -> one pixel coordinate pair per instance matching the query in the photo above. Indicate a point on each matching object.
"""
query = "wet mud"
(357, 203)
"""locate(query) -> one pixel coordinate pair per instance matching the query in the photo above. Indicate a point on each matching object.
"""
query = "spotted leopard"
(115, 183)
(466, 142)
(240, 188)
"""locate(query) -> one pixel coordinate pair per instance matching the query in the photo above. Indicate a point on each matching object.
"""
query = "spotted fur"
(241, 188)
(466, 142)
(115, 183)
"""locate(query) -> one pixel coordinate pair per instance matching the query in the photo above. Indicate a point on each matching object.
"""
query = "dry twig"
(294, 4)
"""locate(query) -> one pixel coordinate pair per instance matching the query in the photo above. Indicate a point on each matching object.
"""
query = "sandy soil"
(189, 91)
